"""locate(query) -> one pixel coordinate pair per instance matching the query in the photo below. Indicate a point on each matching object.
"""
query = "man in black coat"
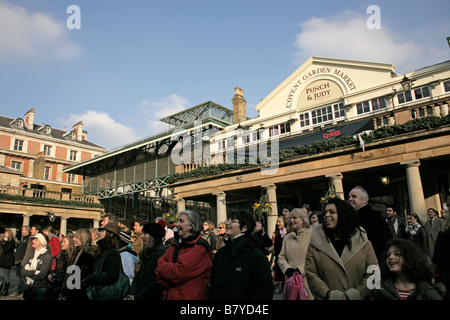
(396, 226)
(240, 268)
(18, 257)
(375, 225)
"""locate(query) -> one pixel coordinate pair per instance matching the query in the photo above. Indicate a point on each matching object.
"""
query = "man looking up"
(240, 269)
(373, 223)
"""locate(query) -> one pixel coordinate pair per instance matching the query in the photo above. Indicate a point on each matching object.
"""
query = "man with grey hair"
(377, 228)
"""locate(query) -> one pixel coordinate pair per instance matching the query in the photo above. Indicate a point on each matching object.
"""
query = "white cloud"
(102, 129)
(37, 36)
(155, 110)
(346, 35)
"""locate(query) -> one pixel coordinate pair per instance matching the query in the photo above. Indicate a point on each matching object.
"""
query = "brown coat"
(347, 274)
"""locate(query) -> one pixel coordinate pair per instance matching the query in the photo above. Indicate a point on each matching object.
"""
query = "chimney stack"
(29, 119)
(239, 103)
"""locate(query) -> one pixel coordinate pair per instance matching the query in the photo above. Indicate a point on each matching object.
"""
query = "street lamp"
(51, 216)
(406, 83)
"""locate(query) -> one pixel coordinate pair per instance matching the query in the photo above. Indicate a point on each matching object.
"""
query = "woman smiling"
(340, 255)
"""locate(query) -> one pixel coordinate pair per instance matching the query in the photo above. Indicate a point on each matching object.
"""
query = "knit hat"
(413, 214)
(112, 227)
(41, 238)
(154, 229)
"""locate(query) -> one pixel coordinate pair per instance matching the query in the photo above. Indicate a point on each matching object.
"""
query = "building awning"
(337, 131)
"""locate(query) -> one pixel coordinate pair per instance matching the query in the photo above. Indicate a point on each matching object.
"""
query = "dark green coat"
(241, 271)
(423, 291)
(144, 286)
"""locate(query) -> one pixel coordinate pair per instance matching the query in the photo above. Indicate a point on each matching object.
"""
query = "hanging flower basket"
(170, 217)
(261, 209)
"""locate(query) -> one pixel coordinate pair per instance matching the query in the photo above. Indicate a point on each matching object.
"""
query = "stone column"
(221, 206)
(415, 190)
(63, 227)
(336, 181)
(272, 217)
(181, 204)
(26, 219)
(96, 223)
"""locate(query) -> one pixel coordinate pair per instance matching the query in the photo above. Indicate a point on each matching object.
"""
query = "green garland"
(426, 123)
(17, 198)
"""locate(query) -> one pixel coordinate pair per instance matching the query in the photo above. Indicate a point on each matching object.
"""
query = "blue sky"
(134, 62)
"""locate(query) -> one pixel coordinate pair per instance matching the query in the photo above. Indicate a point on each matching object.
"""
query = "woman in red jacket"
(184, 270)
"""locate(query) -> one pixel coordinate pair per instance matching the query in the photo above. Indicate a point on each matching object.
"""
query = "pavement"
(278, 295)
(12, 287)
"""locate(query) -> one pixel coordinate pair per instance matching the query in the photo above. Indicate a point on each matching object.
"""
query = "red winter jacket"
(55, 248)
(184, 270)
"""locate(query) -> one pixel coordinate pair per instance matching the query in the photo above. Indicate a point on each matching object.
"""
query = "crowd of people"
(347, 251)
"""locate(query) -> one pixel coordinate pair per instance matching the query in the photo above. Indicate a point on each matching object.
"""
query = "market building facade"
(331, 125)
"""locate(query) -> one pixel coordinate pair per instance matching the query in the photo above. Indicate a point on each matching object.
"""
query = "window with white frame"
(447, 86)
(403, 97)
(422, 92)
(71, 178)
(304, 119)
(362, 107)
(47, 150)
(419, 93)
(18, 145)
(47, 173)
(371, 105)
(339, 110)
(322, 115)
(250, 137)
(73, 155)
(378, 103)
(16, 165)
(225, 144)
(279, 129)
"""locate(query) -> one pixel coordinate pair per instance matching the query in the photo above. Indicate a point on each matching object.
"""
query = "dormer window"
(18, 123)
(46, 129)
(70, 135)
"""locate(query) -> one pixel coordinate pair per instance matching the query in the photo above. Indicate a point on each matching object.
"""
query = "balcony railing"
(46, 194)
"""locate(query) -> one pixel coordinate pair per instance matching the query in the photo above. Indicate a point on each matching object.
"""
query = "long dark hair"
(416, 265)
(348, 222)
(109, 241)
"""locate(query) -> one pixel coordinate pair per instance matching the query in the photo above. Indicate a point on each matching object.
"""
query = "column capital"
(336, 175)
(219, 194)
(269, 186)
(411, 163)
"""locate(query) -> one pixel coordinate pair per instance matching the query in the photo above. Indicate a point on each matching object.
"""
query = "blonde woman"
(295, 245)
(6, 261)
(84, 253)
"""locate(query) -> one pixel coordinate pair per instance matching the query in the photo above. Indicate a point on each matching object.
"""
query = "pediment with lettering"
(323, 80)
